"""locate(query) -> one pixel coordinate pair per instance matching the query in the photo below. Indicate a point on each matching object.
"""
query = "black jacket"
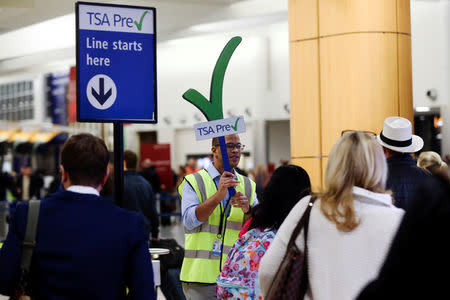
(152, 177)
(418, 261)
(7, 183)
(403, 178)
(36, 184)
(138, 196)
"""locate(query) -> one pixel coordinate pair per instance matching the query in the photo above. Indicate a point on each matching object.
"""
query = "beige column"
(350, 68)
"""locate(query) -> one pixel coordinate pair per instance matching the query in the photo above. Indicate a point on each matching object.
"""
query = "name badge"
(217, 247)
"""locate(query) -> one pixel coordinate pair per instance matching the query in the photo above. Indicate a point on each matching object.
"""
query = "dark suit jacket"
(138, 196)
(418, 261)
(87, 248)
(152, 177)
(403, 178)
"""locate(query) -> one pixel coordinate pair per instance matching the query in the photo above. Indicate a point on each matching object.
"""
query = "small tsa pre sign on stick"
(218, 128)
(212, 109)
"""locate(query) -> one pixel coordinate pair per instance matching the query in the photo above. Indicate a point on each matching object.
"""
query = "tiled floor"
(174, 231)
(159, 296)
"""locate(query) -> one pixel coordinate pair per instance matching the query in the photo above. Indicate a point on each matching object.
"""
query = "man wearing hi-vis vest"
(212, 219)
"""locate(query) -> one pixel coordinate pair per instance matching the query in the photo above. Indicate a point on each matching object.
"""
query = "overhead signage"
(217, 128)
(56, 86)
(72, 96)
(57, 83)
(116, 63)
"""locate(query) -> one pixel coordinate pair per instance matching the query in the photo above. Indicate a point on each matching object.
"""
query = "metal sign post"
(118, 164)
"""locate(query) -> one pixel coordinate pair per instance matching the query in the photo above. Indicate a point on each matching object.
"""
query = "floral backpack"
(239, 276)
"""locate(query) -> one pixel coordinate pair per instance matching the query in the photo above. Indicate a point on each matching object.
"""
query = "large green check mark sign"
(212, 109)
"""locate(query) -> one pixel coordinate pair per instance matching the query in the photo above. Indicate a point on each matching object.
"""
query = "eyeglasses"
(371, 133)
(231, 146)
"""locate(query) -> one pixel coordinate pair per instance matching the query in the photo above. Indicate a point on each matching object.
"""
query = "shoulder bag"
(29, 241)
(291, 280)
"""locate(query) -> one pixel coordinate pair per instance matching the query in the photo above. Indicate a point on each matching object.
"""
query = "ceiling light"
(422, 109)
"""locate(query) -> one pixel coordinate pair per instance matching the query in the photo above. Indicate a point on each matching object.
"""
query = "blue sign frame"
(135, 98)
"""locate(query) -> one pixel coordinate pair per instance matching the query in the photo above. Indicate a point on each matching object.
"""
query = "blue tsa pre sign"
(116, 63)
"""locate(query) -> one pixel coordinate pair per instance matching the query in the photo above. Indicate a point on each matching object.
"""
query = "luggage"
(172, 260)
(170, 268)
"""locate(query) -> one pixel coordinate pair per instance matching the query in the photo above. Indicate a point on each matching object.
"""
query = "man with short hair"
(212, 219)
(191, 166)
(86, 247)
(138, 194)
(398, 143)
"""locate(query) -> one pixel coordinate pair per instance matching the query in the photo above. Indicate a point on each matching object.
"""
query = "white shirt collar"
(83, 189)
(366, 195)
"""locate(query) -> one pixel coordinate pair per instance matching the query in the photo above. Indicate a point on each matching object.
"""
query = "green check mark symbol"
(212, 108)
(235, 124)
(139, 25)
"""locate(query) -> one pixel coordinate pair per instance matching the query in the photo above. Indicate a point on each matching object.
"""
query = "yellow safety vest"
(200, 264)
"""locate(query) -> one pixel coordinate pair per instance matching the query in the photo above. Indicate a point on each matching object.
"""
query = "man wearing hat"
(398, 143)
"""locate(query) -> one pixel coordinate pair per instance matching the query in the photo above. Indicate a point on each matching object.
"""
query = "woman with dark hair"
(239, 276)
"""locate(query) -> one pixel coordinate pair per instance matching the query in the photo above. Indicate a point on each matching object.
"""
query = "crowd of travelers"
(376, 230)
(25, 185)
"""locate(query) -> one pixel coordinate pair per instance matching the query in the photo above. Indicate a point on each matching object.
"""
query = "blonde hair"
(355, 160)
(431, 161)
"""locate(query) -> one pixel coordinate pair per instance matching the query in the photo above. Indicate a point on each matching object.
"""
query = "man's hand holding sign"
(205, 209)
(240, 200)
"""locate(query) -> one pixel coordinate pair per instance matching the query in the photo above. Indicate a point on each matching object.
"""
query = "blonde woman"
(351, 226)
(431, 161)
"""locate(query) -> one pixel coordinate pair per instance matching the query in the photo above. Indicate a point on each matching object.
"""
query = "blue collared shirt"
(190, 199)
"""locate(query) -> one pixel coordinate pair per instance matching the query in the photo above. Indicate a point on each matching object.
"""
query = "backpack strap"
(29, 240)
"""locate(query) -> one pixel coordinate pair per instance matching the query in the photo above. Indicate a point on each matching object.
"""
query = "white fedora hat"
(397, 135)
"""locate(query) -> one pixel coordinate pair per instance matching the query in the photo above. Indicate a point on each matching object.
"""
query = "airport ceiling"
(172, 15)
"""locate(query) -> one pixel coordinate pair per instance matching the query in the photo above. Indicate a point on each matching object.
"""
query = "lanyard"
(223, 213)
